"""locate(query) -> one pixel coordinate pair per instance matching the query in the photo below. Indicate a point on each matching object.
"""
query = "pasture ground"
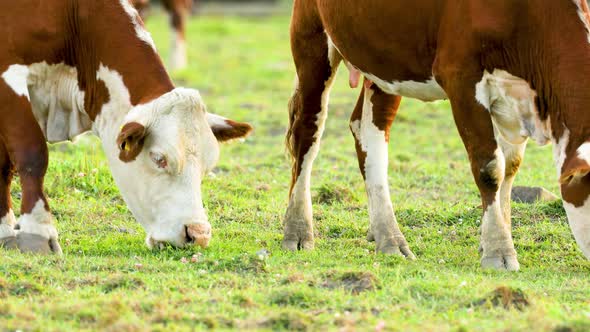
(108, 280)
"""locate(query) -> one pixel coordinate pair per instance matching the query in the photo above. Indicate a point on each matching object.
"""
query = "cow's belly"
(428, 90)
(511, 103)
(401, 81)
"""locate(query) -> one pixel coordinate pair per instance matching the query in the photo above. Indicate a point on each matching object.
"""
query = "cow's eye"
(159, 159)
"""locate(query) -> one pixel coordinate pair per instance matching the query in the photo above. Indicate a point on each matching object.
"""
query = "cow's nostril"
(187, 236)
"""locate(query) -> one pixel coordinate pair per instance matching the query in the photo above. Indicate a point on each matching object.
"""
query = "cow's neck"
(116, 62)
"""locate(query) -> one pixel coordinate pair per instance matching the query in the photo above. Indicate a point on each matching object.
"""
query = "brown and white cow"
(512, 69)
(179, 11)
(92, 65)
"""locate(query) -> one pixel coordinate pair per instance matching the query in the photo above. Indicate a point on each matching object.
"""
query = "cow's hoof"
(397, 246)
(293, 244)
(504, 262)
(8, 242)
(34, 243)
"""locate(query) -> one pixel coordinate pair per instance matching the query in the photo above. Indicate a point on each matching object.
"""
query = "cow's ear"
(574, 170)
(226, 129)
(130, 141)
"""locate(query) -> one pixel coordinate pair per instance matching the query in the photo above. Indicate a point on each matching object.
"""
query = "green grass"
(108, 280)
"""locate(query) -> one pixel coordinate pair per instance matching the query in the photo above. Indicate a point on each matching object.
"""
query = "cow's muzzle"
(199, 234)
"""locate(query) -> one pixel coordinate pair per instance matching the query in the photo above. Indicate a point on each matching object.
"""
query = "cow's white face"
(166, 147)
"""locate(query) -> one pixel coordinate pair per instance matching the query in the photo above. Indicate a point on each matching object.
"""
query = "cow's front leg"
(488, 164)
(370, 124)
(27, 149)
(7, 219)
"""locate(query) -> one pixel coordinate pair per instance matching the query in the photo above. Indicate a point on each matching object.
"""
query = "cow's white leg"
(308, 109)
(178, 51)
(370, 124)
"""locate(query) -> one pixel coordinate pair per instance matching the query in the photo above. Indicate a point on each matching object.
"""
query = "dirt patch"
(25, 289)
(245, 263)
(123, 282)
(332, 194)
(286, 321)
(505, 297)
(355, 282)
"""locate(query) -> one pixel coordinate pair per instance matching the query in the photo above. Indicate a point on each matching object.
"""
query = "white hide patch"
(39, 222)
(583, 16)
(559, 154)
(217, 121)
(424, 91)
(580, 225)
(584, 152)
(140, 31)
(511, 102)
(57, 102)
(16, 78)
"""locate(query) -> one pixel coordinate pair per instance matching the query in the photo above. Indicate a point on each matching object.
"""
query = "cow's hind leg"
(27, 149)
(7, 218)
(370, 124)
(316, 67)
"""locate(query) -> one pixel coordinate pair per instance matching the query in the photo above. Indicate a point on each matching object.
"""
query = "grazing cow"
(179, 11)
(512, 69)
(92, 65)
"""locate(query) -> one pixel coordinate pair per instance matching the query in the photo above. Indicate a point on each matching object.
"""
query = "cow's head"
(165, 148)
(573, 162)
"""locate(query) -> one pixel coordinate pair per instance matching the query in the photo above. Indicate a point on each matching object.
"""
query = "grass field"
(108, 280)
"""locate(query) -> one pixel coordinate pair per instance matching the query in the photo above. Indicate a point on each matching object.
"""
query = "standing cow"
(179, 11)
(92, 65)
(512, 69)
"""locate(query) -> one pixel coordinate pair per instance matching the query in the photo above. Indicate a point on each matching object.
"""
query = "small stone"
(263, 187)
(531, 195)
(262, 254)
(196, 258)
(380, 326)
